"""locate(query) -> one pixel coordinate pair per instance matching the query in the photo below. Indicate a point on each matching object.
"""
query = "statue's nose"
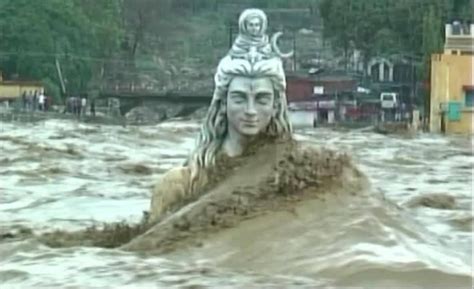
(250, 108)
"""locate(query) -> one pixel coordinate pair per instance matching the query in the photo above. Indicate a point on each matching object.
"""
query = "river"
(63, 174)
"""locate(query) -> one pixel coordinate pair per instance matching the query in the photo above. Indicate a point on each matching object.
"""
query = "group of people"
(38, 101)
(77, 105)
(35, 101)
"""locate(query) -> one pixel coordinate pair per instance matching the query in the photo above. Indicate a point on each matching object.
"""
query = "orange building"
(452, 83)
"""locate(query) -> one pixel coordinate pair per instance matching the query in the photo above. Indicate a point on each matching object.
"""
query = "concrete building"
(452, 83)
(319, 99)
(14, 89)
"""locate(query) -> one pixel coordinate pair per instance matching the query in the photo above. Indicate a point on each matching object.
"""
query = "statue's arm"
(171, 188)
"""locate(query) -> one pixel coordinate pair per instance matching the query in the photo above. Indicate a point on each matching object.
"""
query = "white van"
(389, 100)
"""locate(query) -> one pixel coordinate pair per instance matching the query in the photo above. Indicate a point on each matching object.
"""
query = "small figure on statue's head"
(252, 41)
(252, 36)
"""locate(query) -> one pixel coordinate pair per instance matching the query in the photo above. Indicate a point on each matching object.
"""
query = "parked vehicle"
(389, 100)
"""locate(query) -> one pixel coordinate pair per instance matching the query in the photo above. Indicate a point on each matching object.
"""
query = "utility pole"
(60, 75)
(58, 70)
(294, 50)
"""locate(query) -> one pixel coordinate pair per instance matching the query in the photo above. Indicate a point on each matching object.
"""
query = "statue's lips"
(249, 123)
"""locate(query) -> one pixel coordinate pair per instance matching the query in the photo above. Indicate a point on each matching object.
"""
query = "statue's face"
(254, 26)
(249, 105)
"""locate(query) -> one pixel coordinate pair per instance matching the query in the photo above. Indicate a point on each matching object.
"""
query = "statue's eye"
(237, 97)
(263, 98)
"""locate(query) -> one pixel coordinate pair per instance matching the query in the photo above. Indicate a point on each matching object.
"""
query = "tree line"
(413, 28)
(87, 39)
(79, 34)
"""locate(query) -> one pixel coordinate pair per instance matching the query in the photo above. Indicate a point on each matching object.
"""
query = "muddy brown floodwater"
(410, 228)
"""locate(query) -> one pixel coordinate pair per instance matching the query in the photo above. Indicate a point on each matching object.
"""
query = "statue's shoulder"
(175, 177)
(171, 188)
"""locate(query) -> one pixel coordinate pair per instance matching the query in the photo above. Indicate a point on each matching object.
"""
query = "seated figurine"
(252, 41)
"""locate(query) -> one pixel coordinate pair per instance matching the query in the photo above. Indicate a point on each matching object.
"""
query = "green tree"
(79, 34)
(384, 27)
(432, 40)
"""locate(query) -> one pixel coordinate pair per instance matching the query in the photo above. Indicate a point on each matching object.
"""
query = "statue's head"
(253, 22)
(249, 99)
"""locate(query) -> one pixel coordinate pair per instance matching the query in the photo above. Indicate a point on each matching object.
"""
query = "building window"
(469, 98)
(454, 111)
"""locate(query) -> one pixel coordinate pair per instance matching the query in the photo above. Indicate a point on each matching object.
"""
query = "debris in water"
(434, 200)
(106, 235)
(138, 169)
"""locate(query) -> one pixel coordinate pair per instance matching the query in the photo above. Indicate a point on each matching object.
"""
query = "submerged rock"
(434, 200)
(153, 113)
(137, 169)
(144, 115)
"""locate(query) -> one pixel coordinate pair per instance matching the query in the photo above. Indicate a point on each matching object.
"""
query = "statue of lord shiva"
(248, 116)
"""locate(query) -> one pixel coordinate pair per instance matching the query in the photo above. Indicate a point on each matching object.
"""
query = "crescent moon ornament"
(275, 47)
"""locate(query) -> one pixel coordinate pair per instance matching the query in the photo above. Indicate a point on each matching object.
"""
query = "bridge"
(144, 96)
(185, 102)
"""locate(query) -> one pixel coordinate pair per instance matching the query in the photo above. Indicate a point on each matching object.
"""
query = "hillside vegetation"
(174, 45)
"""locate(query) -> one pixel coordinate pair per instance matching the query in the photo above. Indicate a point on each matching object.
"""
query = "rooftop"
(323, 75)
(459, 37)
